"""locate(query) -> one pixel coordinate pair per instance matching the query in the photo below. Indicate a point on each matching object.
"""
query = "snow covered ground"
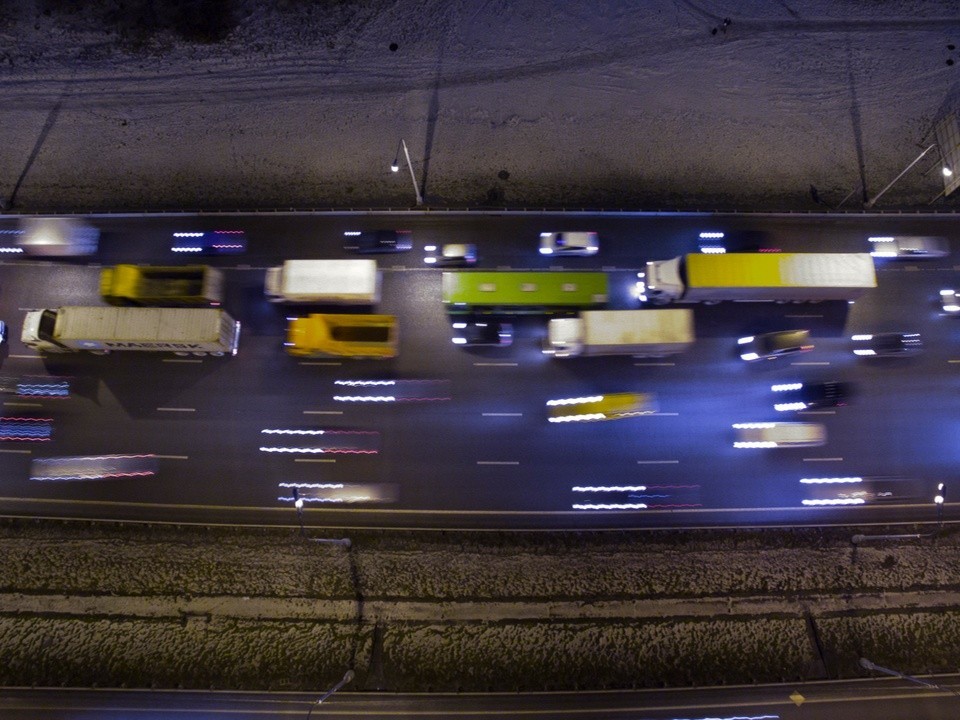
(223, 104)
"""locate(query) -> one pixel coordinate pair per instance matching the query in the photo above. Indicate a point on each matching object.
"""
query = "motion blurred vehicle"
(773, 345)
(806, 396)
(96, 467)
(779, 434)
(36, 386)
(210, 242)
(3, 332)
(569, 243)
(26, 429)
(907, 247)
(486, 333)
(832, 491)
(612, 406)
(890, 344)
(377, 241)
(950, 302)
(451, 255)
(715, 242)
(56, 237)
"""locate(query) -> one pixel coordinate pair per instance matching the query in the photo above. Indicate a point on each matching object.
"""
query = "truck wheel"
(99, 352)
(199, 354)
(218, 354)
(182, 353)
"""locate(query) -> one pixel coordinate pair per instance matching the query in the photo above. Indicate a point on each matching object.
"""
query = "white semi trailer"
(100, 330)
(324, 282)
(650, 333)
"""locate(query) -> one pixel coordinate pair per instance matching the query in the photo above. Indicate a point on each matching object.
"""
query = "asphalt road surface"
(469, 444)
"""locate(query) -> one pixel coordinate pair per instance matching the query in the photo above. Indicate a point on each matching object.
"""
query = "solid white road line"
(22, 452)
(173, 457)
(171, 409)
(323, 412)
(494, 364)
(817, 412)
(658, 462)
(326, 460)
(833, 459)
(498, 462)
(22, 404)
(329, 364)
(810, 363)
(27, 357)
(502, 414)
(654, 364)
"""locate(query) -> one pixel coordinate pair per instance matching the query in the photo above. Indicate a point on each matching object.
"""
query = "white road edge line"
(498, 462)
(810, 363)
(173, 457)
(495, 364)
(172, 409)
(833, 459)
(10, 450)
(323, 412)
(326, 460)
(654, 364)
(22, 404)
(658, 462)
(502, 414)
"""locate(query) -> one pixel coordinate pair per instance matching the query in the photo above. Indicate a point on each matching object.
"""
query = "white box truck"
(100, 330)
(324, 282)
(642, 333)
(757, 277)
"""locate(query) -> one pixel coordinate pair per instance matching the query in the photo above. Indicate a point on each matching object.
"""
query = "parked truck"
(330, 335)
(642, 333)
(757, 277)
(100, 330)
(322, 282)
(176, 286)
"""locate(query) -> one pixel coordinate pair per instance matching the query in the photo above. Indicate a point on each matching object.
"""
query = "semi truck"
(642, 333)
(100, 330)
(320, 282)
(757, 277)
(332, 335)
(175, 286)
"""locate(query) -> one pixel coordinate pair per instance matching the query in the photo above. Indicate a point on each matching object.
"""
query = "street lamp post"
(347, 677)
(395, 167)
(939, 499)
(298, 504)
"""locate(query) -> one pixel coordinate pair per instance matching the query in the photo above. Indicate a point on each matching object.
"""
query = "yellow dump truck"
(176, 286)
(356, 336)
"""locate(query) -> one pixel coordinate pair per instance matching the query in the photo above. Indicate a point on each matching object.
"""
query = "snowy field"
(244, 104)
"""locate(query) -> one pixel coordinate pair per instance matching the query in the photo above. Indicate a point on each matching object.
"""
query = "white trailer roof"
(139, 324)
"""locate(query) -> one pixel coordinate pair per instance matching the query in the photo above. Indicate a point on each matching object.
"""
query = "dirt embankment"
(161, 607)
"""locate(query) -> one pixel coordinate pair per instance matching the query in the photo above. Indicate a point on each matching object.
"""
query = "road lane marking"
(817, 412)
(803, 316)
(811, 363)
(27, 452)
(173, 409)
(173, 457)
(502, 414)
(327, 364)
(323, 412)
(498, 462)
(660, 414)
(953, 361)
(658, 462)
(494, 364)
(833, 459)
(654, 364)
(180, 360)
(22, 404)
(326, 460)
(27, 357)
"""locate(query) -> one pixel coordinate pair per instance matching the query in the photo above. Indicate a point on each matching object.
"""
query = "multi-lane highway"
(468, 444)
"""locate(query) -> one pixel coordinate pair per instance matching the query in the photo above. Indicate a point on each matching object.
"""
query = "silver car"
(907, 247)
(569, 243)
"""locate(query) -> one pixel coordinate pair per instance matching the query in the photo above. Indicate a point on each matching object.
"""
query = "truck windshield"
(361, 334)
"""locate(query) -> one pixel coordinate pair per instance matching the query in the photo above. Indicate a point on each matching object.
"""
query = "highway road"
(469, 444)
(875, 699)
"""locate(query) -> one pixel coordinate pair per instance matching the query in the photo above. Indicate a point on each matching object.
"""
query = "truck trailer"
(100, 330)
(757, 277)
(641, 333)
(324, 282)
(331, 335)
(175, 286)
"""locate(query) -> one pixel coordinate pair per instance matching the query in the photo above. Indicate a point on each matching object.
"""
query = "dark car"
(803, 396)
(890, 344)
(772, 345)
(487, 332)
(377, 241)
(451, 255)
(210, 242)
